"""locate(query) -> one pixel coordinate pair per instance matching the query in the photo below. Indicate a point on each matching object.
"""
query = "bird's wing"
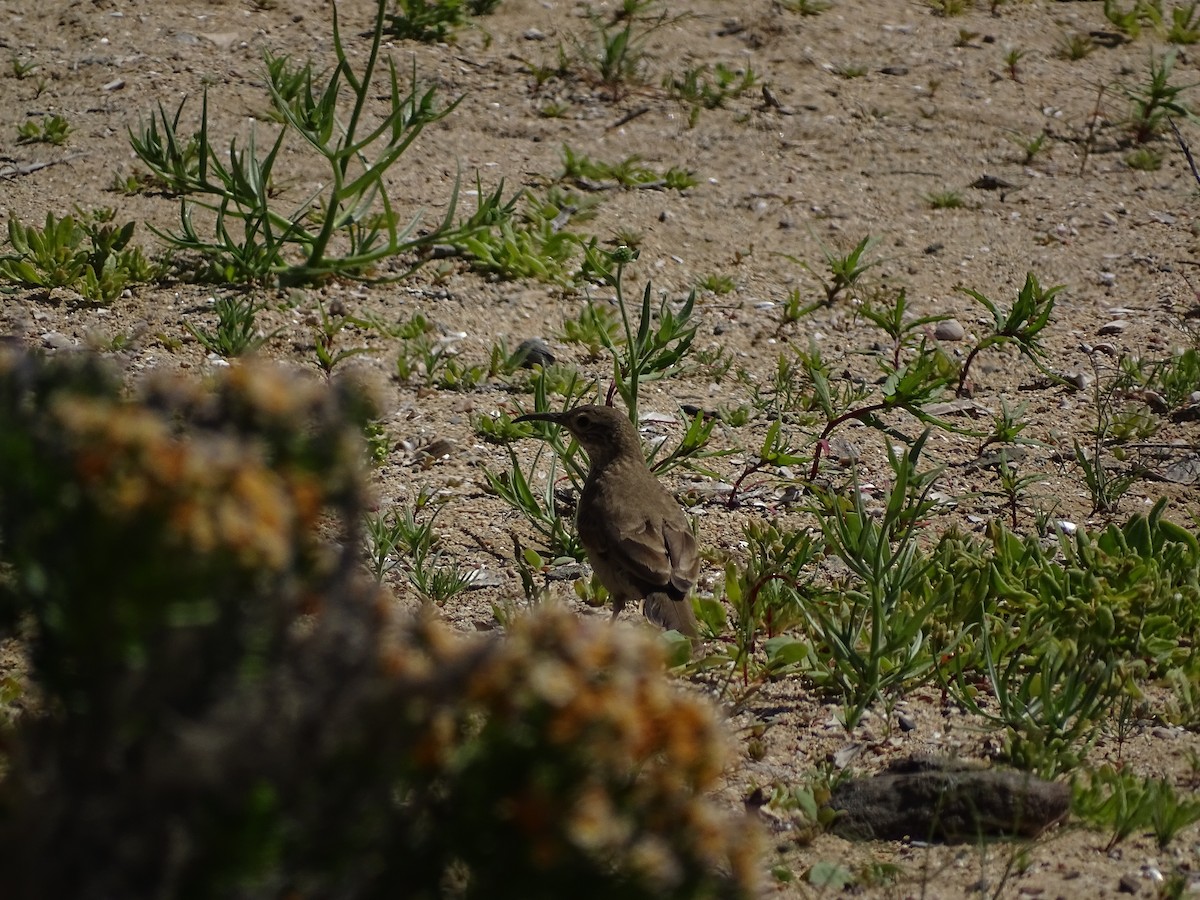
(642, 550)
(659, 555)
(685, 560)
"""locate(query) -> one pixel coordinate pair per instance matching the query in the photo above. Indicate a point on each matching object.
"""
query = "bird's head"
(603, 431)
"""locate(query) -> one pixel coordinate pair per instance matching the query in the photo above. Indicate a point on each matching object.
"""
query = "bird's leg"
(618, 605)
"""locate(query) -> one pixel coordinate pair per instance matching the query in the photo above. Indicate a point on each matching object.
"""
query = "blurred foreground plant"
(221, 708)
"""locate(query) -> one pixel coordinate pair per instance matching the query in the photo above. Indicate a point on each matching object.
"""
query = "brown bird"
(635, 534)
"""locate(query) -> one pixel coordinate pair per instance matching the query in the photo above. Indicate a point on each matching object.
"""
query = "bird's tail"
(672, 614)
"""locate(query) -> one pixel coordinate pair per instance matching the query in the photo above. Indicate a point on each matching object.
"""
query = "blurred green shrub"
(219, 706)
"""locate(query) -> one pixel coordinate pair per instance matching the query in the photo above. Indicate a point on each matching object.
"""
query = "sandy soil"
(879, 105)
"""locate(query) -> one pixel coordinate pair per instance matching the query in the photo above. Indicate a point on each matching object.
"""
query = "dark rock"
(929, 798)
(991, 183)
(534, 352)
(1128, 885)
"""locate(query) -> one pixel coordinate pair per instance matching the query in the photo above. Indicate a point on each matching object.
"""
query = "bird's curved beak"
(556, 418)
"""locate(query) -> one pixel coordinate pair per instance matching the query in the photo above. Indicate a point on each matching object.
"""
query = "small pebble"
(1128, 885)
(1116, 326)
(1081, 380)
(949, 330)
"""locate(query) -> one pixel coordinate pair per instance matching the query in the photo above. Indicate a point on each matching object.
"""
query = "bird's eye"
(583, 421)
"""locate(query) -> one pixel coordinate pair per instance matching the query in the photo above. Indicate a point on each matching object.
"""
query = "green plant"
(776, 452)
(504, 363)
(948, 7)
(715, 362)
(57, 256)
(1122, 802)
(1022, 325)
(553, 110)
(543, 73)
(346, 227)
(176, 166)
(499, 428)
(628, 173)
(948, 199)
(1129, 21)
(534, 243)
(1144, 159)
(964, 39)
(1030, 146)
(765, 597)
(48, 130)
(434, 20)
(701, 87)
(1059, 632)
(845, 272)
(1051, 706)
(1075, 46)
(1012, 60)
(658, 344)
(139, 182)
(595, 327)
(717, 284)
(541, 509)
(392, 534)
(237, 331)
(805, 7)
(1185, 24)
(905, 331)
(1154, 101)
(615, 57)
(325, 334)
(378, 442)
(628, 237)
(1171, 381)
(1013, 485)
(21, 68)
(914, 376)
(870, 634)
(849, 70)
(399, 540)
(1115, 422)
(806, 804)
(1007, 426)
(430, 359)
(794, 309)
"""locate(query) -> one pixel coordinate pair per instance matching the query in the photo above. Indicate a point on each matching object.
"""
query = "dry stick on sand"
(1184, 147)
(15, 171)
